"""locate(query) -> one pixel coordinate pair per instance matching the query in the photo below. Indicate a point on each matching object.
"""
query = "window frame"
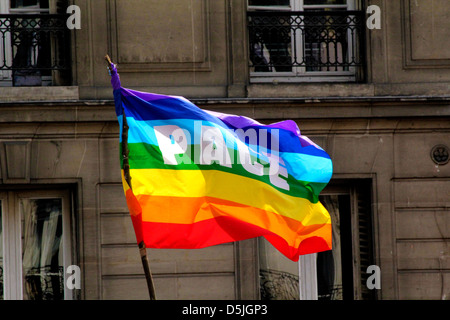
(299, 73)
(12, 242)
(6, 76)
(308, 285)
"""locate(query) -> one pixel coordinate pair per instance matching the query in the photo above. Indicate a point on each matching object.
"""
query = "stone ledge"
(22, 94)
(260, 109)
(346, 90)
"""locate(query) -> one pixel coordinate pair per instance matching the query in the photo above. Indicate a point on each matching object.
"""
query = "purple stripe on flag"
(115, 79)
(245, 122)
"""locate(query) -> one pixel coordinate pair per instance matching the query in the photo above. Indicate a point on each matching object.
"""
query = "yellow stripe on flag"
(229, 187)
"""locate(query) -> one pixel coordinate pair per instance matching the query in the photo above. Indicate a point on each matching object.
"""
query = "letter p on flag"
(173, 141)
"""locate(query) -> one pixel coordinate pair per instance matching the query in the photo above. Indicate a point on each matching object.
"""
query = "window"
(36, 246)
(339, 274)
(305, 40)
(29, 6)
(34, 47)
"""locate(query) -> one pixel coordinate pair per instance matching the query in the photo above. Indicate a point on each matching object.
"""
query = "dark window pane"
(16, 4)
(322, 2)
(333, 266)
(41, 244)
(268, 2)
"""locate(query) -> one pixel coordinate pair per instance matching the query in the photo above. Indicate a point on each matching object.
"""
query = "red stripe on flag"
(216, 231)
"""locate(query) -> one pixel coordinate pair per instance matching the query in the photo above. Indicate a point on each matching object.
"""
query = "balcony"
(307, 46)
(35, 50)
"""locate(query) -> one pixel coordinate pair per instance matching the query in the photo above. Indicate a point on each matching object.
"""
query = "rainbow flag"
(202, 178)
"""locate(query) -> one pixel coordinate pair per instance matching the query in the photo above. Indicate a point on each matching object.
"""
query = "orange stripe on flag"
(186, 211)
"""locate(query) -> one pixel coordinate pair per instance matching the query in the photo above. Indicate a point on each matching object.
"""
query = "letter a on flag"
(201, 178)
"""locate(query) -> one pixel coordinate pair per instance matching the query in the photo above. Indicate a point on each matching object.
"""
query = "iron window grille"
(324, 43)
(45, 283)
(34, 45)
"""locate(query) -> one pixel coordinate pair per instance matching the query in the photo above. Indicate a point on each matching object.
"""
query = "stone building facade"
(377, 100)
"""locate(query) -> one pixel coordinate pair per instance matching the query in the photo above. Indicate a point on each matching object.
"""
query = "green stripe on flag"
(147, 156)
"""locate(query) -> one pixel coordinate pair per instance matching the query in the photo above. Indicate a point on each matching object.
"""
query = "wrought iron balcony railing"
(326, 43)
(45, 283)
(32, 46)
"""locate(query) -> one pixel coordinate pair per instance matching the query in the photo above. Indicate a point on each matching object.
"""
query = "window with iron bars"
(306, 40)
(35, 47)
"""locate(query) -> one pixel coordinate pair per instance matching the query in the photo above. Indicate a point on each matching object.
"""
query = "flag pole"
(126, 171)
